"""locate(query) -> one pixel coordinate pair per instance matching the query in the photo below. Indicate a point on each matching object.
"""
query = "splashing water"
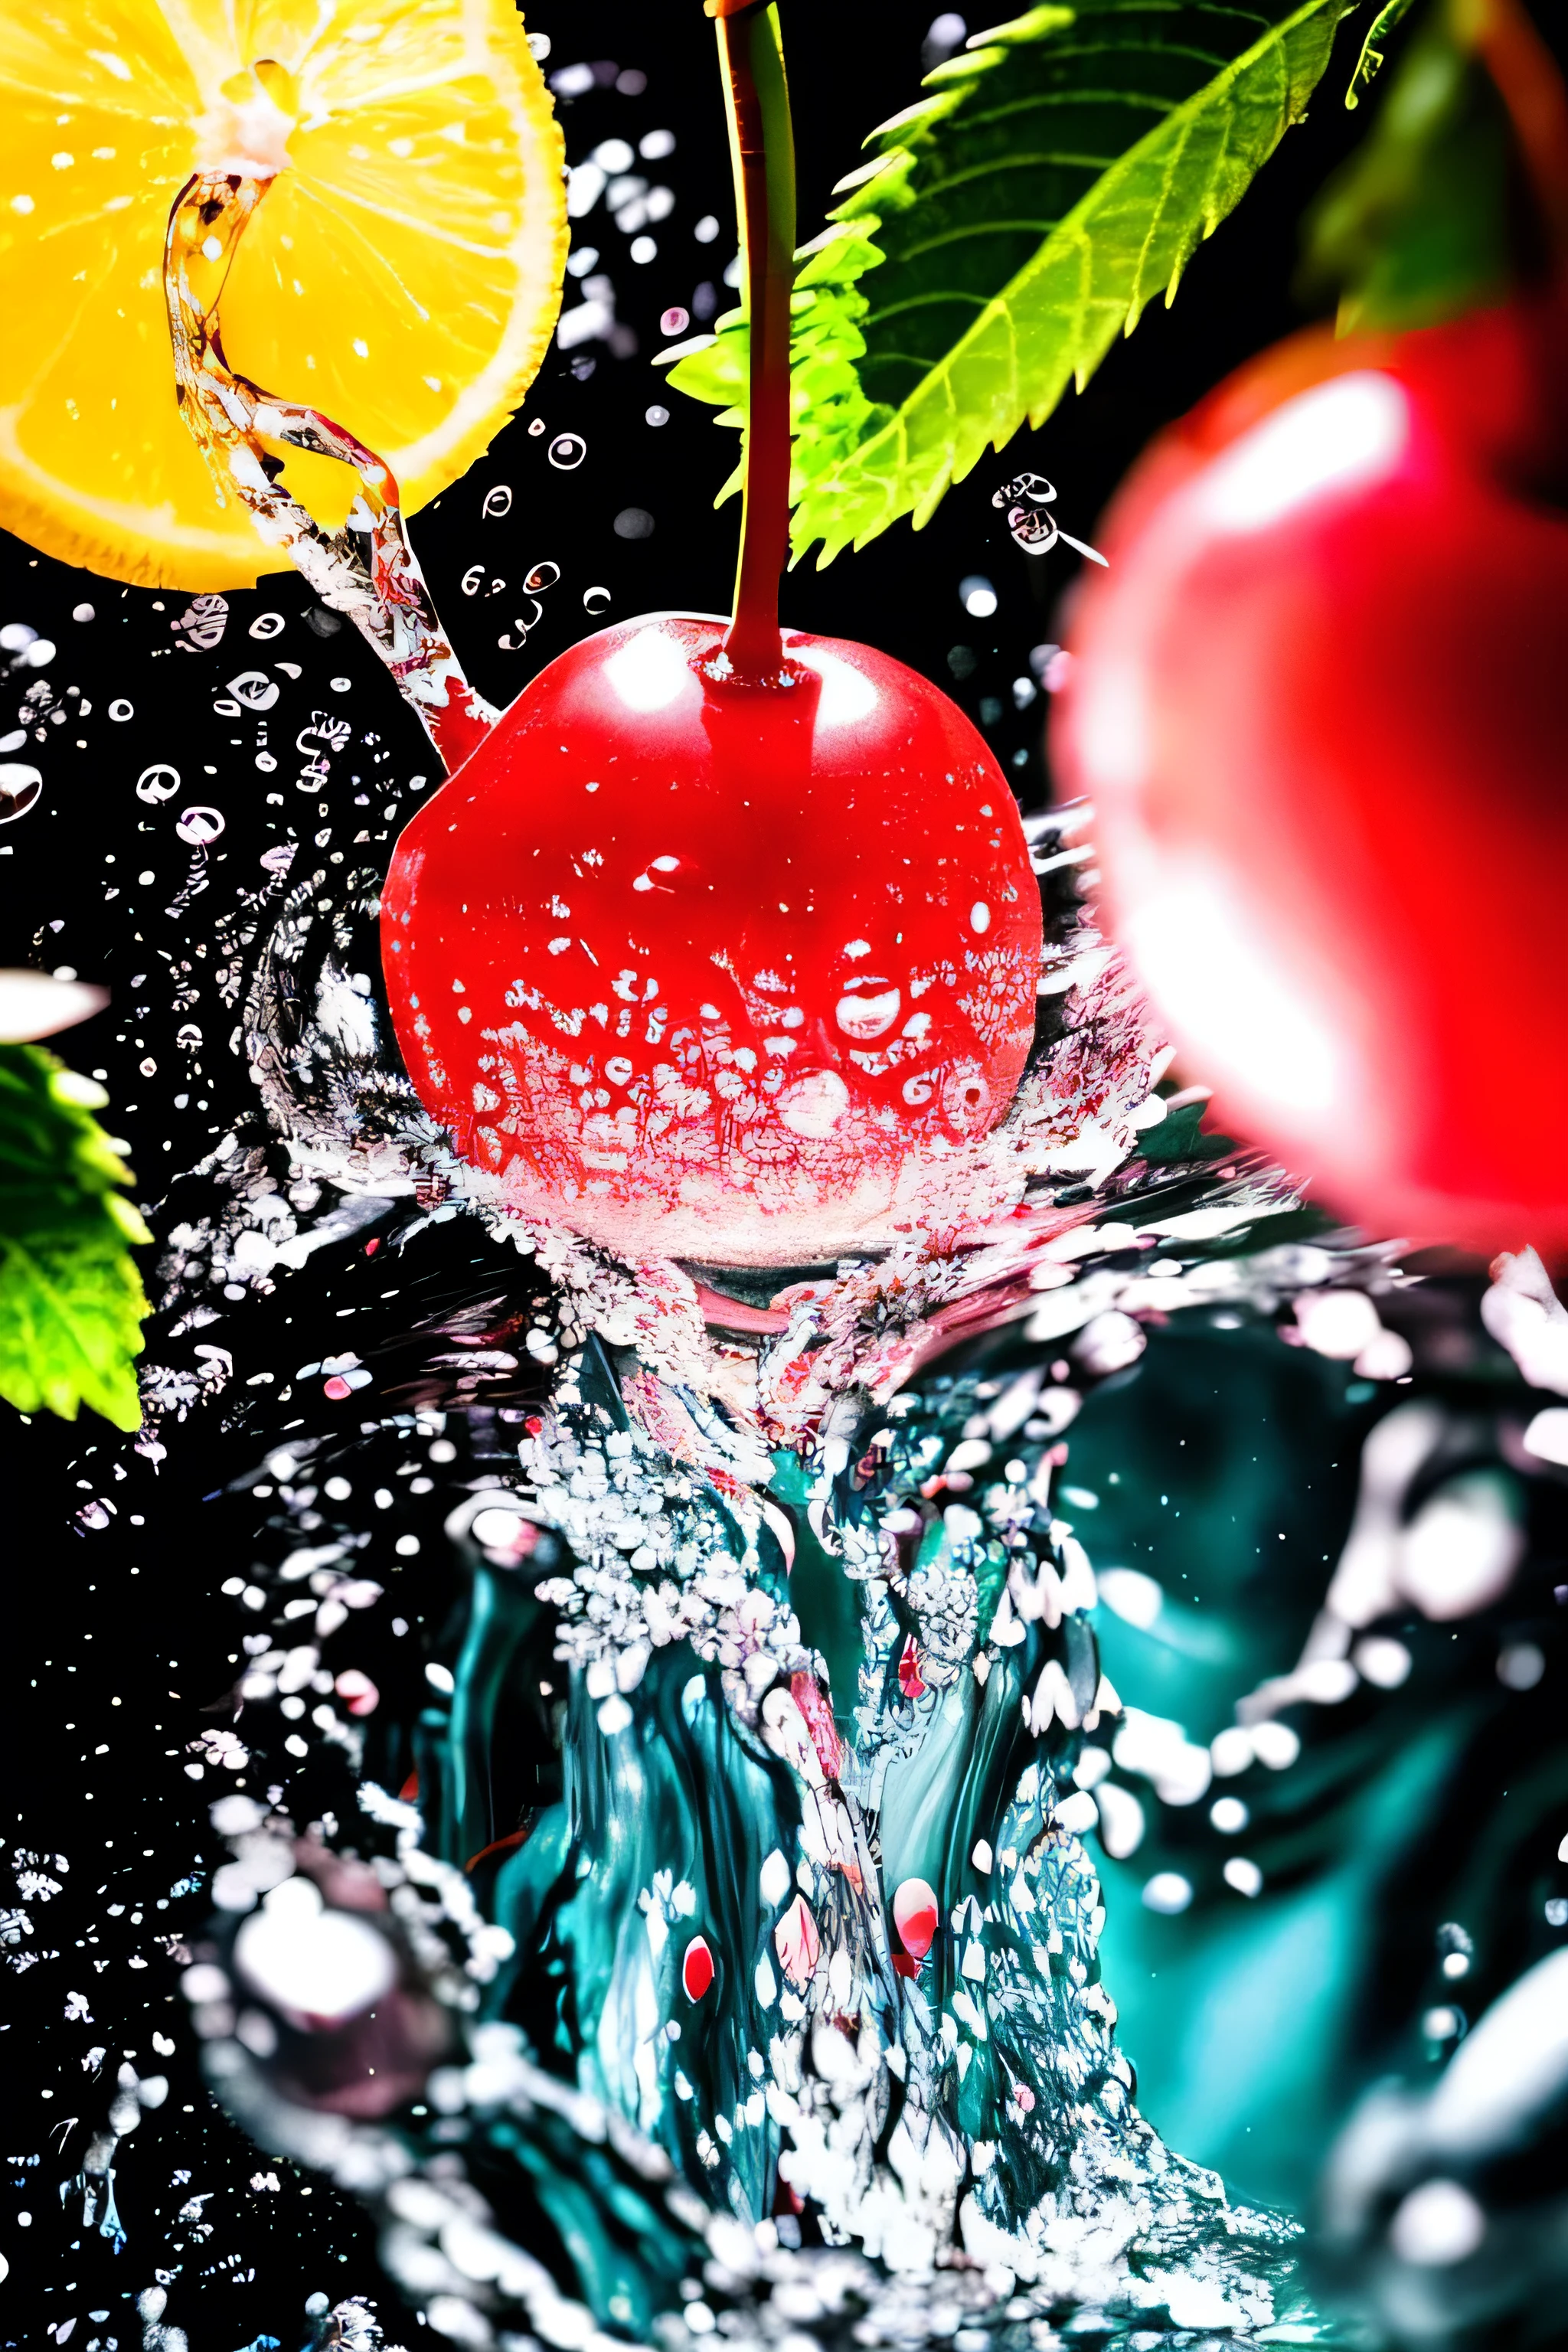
(232, 420)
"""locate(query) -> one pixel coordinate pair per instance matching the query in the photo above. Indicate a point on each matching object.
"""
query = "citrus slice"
(401, 274)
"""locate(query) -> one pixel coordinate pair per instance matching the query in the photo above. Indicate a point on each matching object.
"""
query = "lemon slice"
(402, 273)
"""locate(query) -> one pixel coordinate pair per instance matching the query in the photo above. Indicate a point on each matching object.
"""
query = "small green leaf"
(1010, 224)
(1369, 64)
(71, 1301)
(1417, 225)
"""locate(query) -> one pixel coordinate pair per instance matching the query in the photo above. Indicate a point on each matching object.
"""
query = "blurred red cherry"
(716, 965)
(1318, 702)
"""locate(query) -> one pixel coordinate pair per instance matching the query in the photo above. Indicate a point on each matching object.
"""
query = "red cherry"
(715, 966)
(697, 1968)
(915, 1916)
(1317, 703)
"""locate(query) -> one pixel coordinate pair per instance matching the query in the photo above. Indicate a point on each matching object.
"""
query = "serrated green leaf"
(1011, 223)
(71, 1301)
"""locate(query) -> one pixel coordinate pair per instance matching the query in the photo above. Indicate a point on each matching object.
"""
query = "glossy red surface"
(697, 1968)
(716, 969)
(1319, 703)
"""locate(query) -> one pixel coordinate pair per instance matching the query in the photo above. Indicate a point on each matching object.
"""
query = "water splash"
(382, 589)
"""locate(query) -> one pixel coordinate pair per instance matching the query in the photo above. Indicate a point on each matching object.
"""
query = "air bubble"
(497, 502)
(633, 522)
(536, 428)
(200, 825)
(267, 624)
(542, 576)
(156, 783)
(656, 414)
(83, 613)
(19, 788)
(567, 451)
(674, 321)
(120, 710)
(341, 685)
(266, 763)
(977, 595)
(595, 600)
(254, 689)
(15, 637)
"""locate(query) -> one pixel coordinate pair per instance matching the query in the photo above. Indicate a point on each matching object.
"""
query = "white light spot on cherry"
(648, 672)
(857, 949)
(664, 865)
(641, 882)
(847, 695)
(867, 1017)
(814, 1103)
(980, 916)
(559, 947)
(1338, 437)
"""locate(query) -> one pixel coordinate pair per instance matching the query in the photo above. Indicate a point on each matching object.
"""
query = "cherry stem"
(1525, 76)
(762, 151)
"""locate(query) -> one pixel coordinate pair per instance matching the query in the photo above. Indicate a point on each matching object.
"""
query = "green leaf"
(1008, 226)
(1369, 65)
(1419, 225)
(71, 1301)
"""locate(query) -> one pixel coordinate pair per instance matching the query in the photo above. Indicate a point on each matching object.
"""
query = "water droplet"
(254, 689)
(542, 576)
(15, 637)
(157, 783)
(120, 710)
(657, 415)
(83, 613)
(498, 502)
(200, 825)
(536, 427)
(341, 685)
(864, 1017)
(595, 600)
(567, 450)
(267, 624)
(266, 763)
(19, 788)
(697, 1968)
(915, 1916)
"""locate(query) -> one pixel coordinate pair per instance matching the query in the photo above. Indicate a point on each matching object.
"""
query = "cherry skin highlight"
(715, 968)
(1318, 701)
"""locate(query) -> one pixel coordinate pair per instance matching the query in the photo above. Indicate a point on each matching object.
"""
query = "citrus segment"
(402, 273)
